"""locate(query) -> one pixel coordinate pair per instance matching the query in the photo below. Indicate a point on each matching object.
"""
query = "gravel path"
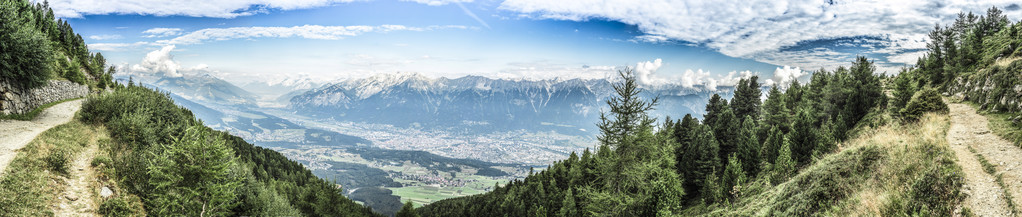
(16, 134)
(77, 199)
(969, 129)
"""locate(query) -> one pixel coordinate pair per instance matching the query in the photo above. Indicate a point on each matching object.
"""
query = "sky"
(666, 41)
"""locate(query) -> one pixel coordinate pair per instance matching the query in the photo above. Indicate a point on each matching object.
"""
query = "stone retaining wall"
(17, 101)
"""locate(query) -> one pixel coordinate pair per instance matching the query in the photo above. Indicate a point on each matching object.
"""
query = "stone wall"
(997, 88)
(17, 101)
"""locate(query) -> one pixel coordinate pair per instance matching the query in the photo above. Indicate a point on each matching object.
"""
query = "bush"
(58, 159)
(925, 100)
(115, 207)
(101, 160)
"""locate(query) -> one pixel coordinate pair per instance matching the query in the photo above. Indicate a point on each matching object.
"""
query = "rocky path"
(986, 197)
(16, 134)
(78, 199)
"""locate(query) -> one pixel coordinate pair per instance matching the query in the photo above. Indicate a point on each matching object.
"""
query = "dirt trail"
(969, 129)
(16, 134)
(78, 199)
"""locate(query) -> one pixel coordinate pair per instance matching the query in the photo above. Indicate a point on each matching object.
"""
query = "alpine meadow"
(510, 108)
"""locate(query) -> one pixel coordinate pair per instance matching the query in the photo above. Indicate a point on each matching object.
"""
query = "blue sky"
(693, 42)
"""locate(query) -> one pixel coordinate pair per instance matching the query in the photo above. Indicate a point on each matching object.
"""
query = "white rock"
(106, 192)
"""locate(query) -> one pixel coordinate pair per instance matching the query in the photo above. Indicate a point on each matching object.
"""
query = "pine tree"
(408, 210)
(568, 207)
(784, 167)
(746, 101)
(733, 178)
(793, 95)
(714, 107)
(711, 190)
(804, 136)
(749, 147)
(726, 129)
(903, 91)
(775, 112)
(772, 145)
(702, 158)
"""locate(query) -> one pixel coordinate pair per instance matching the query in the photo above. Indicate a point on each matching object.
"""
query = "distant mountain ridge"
(476, 103)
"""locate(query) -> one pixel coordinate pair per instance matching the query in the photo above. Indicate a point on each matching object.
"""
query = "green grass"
(28, 116)
(30, 184)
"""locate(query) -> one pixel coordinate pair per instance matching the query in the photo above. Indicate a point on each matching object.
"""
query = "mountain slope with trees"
(784, 149)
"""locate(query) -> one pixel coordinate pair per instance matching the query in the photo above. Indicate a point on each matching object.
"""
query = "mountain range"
(479, 104)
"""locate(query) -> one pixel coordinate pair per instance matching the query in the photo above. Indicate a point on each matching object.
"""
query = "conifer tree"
(769, 151)
(749, 147)
(784, 167)
(408, 210)
(733, 178)
(711, 191)
(702, 158)
(726, 129)
(804, 136)
(775, 112)
(746, 101)
(568, 207)
(714, 108)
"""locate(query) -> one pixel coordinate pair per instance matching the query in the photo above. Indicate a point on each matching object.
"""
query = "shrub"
(58, 159)
(115, 207)
(101, 159)
(925, 100)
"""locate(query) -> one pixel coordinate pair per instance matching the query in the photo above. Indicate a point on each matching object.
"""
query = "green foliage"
(925, 100)
(733, 179)
(784, 166)
(747, 98)
(772, 145)
(749, 147)
(26, 55)
(804, 136)
(116, 207)
(101, 160)
(192, 176)
(904, 88)
(59, 158)
(711, 190)
(775, 111)
(408, 210)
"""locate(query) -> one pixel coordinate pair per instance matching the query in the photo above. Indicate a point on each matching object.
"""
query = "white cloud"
(306, 31)
(645, 71)
(161, 32)
(783, 76)
(761, 29)
(438, 2)
(105, 37)
(545, 70)
(193, 8)
(159, 62)
(699, 77)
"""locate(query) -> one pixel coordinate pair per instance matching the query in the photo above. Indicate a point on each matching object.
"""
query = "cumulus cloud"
(105, 37)
(784, 76)
(306, 31)
(762, 29)
(161, 32)
(692, 79)
(645, 70)
(159, 62)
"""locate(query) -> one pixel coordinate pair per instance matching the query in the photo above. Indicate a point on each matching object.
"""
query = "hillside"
(834, 147)
(130, 151)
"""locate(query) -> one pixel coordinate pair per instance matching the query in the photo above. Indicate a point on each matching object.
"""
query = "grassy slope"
(32, 183)
(885, 171)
